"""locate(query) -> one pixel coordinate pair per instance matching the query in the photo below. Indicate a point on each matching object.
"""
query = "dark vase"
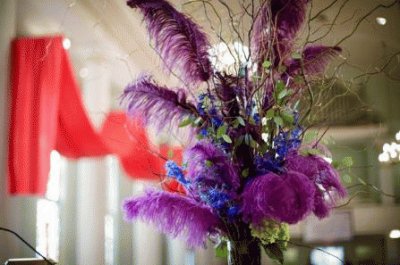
(244, 252)
(243, 249)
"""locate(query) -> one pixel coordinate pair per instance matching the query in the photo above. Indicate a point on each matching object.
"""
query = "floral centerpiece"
(247, 174)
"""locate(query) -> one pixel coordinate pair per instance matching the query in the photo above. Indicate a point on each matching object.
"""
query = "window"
(335, 256)
(48, 212)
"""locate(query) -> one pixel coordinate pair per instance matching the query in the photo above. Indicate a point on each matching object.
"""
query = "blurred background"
(79, 221)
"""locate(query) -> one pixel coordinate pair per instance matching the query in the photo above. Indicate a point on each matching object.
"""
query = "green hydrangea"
(270, 232)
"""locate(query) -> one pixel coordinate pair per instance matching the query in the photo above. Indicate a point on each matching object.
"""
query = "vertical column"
(147, 241)
(177, 252)
(386, 183)
(9, 246)
(92, 175)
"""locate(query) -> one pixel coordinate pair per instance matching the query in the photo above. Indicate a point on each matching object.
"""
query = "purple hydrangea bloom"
(208, 164)
(173, 214)
(325, 177)
(286, 198)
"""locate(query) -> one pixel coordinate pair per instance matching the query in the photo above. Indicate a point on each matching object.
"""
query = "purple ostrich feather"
(325, 177)
(173, 214)
(182, 45)
(286, 198)
(261, 33)
(277, 21)
(208, 164)
(158, 105)
(315, 59)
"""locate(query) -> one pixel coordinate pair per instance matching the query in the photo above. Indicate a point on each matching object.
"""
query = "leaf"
(227, 138)
(245, 172)
(347, 162)
(239, 141)
(253, 143)
(208, 163)
(185, 122)
(282, 69)
(221, 131)
(296, 105)
(287, 117)
(278, 121)
(241, 121)
(296, 55)
(266, 64)
(280, 86)
(310, 136)
(283, 93)
(247, 139)
(274, 252)
(314, 151)
(198, 120)
(346, 178)
(221, 250)
(270, 113)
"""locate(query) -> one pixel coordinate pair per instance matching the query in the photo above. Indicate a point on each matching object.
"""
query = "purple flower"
(325, 177)
(173, 214)
(207, 164)
(285, 198)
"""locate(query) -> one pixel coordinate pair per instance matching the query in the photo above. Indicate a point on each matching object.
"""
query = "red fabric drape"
(47, 113)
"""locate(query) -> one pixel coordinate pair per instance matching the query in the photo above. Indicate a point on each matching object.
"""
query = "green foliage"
(186, 122)
(345, 163)
(275, 252)
(221, 250)
(266, 64)
(271, 232)
(245, 172)
(227, 138)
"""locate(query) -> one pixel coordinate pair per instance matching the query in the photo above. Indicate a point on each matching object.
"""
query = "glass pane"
(48, 228)
(328, 256)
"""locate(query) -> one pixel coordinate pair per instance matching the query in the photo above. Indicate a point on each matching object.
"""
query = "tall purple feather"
(315, 59)
(261, 34)
(156, 104)
(180, 42)
(207, 164)
(286, 198)
(275, 28)
(173, 214)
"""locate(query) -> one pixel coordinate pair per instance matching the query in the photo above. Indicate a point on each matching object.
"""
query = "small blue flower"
(233, 211)
(204, 132)
(174, 171)
(216, 121)
(256, 118)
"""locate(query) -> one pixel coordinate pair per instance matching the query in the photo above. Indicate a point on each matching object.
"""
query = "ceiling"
(110, 34)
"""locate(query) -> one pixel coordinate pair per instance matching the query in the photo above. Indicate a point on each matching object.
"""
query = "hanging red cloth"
(47, 113)
(34, 112)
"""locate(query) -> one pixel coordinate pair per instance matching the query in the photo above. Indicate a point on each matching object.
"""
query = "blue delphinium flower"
(174, 171)
(268, 163)
(220, 201)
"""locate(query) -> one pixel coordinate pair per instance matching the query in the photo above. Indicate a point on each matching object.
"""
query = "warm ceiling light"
(66, 43)
(394, 234)
(381, 21)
